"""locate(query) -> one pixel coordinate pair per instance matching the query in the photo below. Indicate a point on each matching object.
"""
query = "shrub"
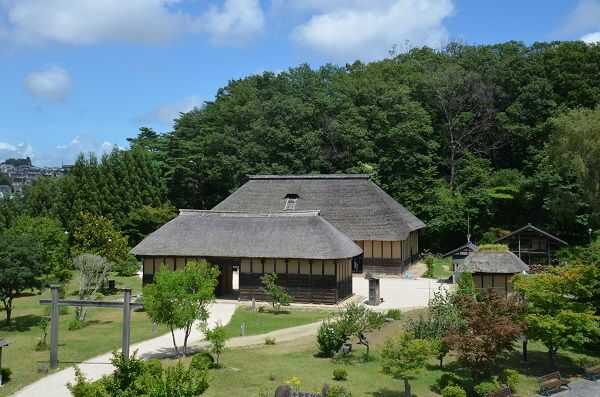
(329, 338)
(510, 378)
(485, 388)
(448, 379)
(5, 373)
(340, 374)
(153, 367)
(127, 267)
(338, 391)
(429, 260)
(394, 314)
(217, 337)
(453, 391)
(262, 309)
(75, 324)
(269, 341)
(202, 361)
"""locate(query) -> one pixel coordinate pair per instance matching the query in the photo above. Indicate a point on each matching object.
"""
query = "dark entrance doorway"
(357, 264)
(225, 283)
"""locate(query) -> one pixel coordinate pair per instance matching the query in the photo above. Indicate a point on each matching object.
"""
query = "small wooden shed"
(492, 268)
(533, 245)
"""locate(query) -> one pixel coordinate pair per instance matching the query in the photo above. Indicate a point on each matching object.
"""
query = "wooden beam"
(54, 328)
(82, 303)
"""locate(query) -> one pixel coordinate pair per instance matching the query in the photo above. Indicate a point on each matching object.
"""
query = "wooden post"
(126, 322)
(54, 318)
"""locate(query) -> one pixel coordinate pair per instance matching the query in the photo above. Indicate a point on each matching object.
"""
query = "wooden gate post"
(126, 322)
(54, 317)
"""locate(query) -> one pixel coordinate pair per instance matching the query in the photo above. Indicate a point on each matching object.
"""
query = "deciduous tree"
(21, 265)
(179, 298)
(403, 357)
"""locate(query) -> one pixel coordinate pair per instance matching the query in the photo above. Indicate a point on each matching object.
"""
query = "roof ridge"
(312, 176)
(246, 214)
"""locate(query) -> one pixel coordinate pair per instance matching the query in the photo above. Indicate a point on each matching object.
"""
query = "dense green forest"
(497, 135)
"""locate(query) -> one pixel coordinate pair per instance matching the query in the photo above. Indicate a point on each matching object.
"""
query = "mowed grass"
(102, 334)
(263, 368)
(257, 323)
(441, 268)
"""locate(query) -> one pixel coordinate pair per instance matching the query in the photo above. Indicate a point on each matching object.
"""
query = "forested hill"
(502, 135)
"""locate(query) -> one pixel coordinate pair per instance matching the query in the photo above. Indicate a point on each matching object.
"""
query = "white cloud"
(20, 150)
(52, 84)
(585, 17)
(369, 29)
(67, 153)
(168, 112)
(235, 21)
(591, 38)
(60, 154)
(84, 22)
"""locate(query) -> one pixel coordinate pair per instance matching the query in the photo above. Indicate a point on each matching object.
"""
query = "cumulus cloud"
(67, 153)
(60, 154)
(168, 112)
(20, 150)
(235, 21)
(585, 17)
(591, 38)
(369, 29)
(84, 22)
(52, 84)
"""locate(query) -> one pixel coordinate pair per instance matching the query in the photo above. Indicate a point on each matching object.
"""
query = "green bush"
(338, 391)
(269, 341)
(340, 374)
(329, 338)
(127, 267)
(448, 379)
(453, 391)
(75, 324)
(202, 361)
(6, 373)
(510, 378)
(429, 260)
(485, 388)
(394, 314)
(153, 367)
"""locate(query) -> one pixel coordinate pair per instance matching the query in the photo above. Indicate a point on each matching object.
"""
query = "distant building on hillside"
(533, 245)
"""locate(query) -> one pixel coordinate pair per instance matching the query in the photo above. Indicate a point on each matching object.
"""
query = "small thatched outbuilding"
(492, 267)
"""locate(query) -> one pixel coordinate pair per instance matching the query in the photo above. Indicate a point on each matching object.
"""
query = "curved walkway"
(55, 385)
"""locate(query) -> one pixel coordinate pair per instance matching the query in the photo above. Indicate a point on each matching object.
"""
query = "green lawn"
(265, 367)
(441, 268)
(101, 335)
(267, 321)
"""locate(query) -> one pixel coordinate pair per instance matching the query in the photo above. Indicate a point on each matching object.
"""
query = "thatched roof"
(532, 228)
(230, 234)
(352, 203)
(483, 261)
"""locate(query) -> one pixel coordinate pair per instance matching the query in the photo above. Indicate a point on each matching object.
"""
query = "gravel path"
(55, 385)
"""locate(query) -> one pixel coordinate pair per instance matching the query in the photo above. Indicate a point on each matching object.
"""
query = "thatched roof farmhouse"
(312, 230)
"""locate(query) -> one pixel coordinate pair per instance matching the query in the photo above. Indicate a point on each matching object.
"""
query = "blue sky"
(83, 75)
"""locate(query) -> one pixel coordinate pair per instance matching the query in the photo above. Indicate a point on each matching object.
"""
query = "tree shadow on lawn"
(385, 392)
(21, 323)
(538, 364)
